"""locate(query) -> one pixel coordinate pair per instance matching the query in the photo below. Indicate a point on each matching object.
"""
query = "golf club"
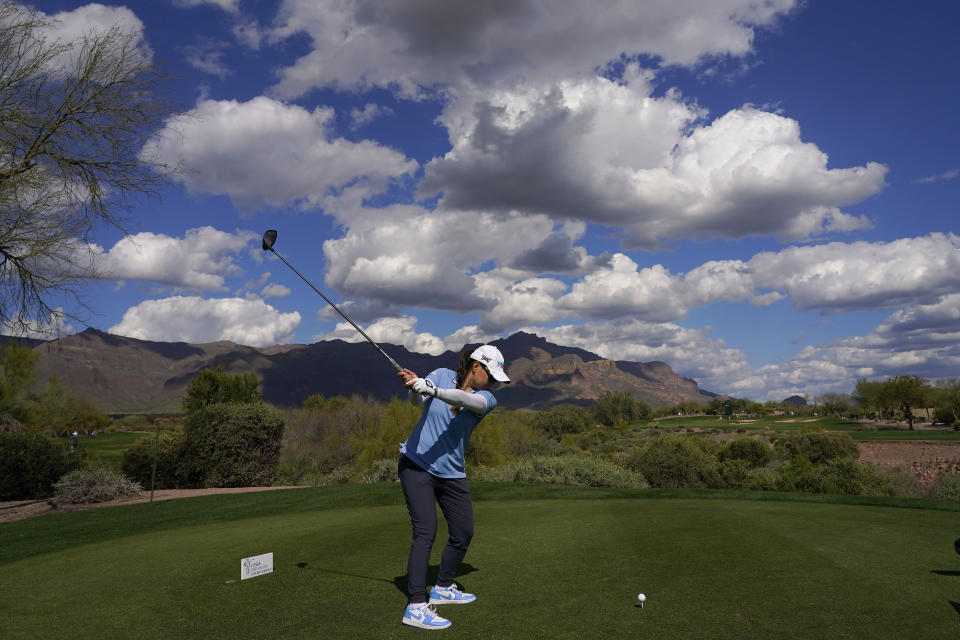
(269, 237)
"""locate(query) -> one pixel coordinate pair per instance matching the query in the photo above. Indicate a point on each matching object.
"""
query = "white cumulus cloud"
(201, 320)
(201, 260)
(267, 153)
(609, 152)
(398, 330)
(419, 43)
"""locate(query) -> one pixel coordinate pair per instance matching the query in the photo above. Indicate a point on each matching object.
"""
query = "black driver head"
(269, 237)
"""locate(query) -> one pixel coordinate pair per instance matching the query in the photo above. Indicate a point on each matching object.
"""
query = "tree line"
(901, 398)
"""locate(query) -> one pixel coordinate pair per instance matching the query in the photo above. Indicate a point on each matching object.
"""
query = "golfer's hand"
(423, 386)
(407, 376)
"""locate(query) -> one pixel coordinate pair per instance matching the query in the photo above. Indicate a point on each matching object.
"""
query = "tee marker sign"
(256, 566)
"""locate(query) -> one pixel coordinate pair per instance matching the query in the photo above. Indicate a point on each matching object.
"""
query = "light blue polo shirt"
(439, 441)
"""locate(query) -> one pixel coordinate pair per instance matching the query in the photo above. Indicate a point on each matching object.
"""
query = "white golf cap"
(490, 357)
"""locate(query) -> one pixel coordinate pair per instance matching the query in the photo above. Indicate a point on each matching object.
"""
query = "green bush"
(762, 479)
(319, 402)
(504, 435)
(615, 407)
(215, 386)
(946, 487)
(944, 415)
(83, 486)
(732, 474)
(232, 445)
(138, 461)
(317, 442)
(754, 451)
(30, 464)
(817, 447)
(840, 476)
(671, 462)
(562, 419)
(567, 469)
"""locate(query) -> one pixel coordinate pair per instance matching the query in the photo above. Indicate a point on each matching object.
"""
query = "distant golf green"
(546, 562)
(110, 445)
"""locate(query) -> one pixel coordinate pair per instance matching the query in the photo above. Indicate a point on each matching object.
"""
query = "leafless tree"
(74, 117)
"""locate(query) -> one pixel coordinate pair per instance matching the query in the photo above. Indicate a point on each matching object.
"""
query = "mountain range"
(123, 375)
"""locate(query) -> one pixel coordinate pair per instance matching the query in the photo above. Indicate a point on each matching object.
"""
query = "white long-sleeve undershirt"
(474, 402)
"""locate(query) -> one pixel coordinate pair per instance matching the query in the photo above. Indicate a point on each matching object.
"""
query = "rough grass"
(546, 562)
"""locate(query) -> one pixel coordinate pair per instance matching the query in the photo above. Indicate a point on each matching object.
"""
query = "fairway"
(545, 563)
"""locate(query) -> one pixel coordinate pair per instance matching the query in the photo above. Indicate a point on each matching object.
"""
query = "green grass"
(109, 446)
(546, 562)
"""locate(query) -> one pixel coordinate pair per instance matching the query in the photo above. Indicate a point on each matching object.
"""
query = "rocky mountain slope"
(125, 375)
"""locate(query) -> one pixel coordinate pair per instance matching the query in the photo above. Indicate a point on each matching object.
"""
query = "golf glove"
(424, 387)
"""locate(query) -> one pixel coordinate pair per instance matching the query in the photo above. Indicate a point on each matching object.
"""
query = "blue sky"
(760, 194)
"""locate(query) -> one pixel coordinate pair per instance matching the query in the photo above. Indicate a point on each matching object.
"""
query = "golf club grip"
(338, 310)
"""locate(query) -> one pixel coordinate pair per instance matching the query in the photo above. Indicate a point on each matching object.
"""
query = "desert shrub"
(946, 487)
(762, 479)
(753, 451)
(944, 415)
(604, 440)
(319, 402)
(670, 462)
(904, 484)
(232, 445)
(31, 463)
(817, 447)
(83, 486)
(503, 435)
(488, 446)
(732, 474)
(380, 429)
(341, 475)
(350, 431)
(567, 469)
(615, 407)
(167, 447)
(291, 475)
(384, 470)
(840, 476)
(562, 419)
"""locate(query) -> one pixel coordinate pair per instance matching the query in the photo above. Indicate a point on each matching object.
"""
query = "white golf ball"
(641, 597)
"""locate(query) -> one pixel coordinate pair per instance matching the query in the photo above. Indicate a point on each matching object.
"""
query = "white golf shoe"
(424, 616)
(450, 595)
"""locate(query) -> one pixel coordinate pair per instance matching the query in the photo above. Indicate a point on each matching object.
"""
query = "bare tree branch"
(70, 143)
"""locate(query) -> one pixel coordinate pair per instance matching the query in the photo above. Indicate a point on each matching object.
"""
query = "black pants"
(423, 491)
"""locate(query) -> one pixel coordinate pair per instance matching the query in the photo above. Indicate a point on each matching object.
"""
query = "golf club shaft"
(338, 310)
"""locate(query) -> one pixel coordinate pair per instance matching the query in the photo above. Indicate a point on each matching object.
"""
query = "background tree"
(232, 437)
(946, 400)
(74, 117)
(619, 407)
(17, 375)
(907, 393)
(834, 404)
(216, 386)
(867, 396)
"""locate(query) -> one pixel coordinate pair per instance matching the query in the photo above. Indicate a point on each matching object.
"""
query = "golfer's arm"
(474, 402)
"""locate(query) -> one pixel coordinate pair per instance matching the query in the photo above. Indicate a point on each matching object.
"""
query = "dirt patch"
(926, 459)
(21, 510)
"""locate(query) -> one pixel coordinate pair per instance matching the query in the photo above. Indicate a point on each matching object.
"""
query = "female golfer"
(431, 469)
